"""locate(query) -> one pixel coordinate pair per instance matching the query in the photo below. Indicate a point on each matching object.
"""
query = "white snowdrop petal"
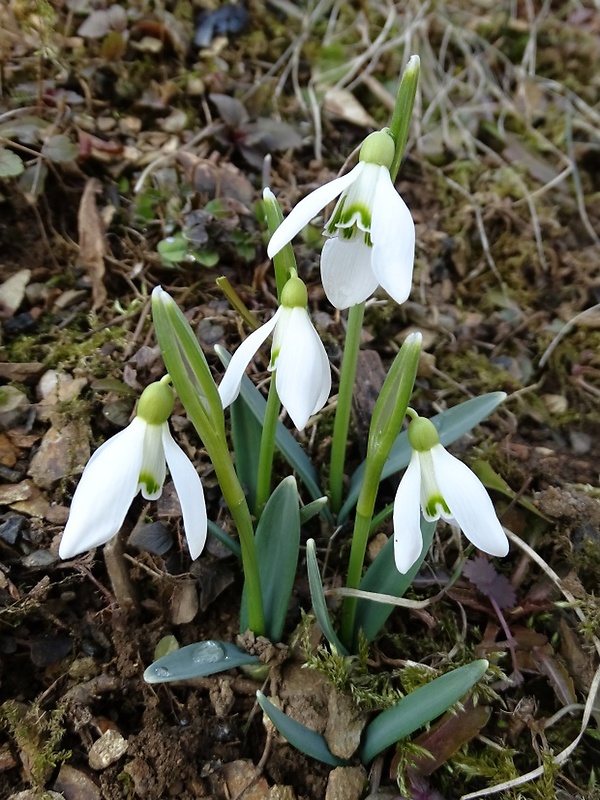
(393, 237)
(190, 492)
(303, 377)
(408, 540)
(104, 492)
(229, 387)
(324, 369)
(308, 208)
(346, 271)
(153, 468)
(469, 503)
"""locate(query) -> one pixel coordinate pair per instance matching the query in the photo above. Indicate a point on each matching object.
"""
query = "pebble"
(346, 783)
(107, 749)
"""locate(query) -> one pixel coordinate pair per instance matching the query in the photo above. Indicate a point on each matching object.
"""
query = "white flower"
(439, 485)
(303, 376)
(371, 232)
(133, 460)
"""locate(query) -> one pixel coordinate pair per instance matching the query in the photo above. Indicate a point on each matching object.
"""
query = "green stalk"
(344, 405)
(360, 537)
(386, 422)
(267, 447)
(196, 388)
(235, 498)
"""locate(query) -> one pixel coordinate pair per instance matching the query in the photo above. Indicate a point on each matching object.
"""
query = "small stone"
(107, 749)
(76, 785)
(281, 793)
(243, 782)
(345, 725)
(346, 783)
(62, 452)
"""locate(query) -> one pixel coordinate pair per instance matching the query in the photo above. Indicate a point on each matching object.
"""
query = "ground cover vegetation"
(135, 142)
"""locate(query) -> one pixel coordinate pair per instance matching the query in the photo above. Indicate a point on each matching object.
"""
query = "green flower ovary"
(156, 403)
(294, 293)
(378, 148)
(422, 434)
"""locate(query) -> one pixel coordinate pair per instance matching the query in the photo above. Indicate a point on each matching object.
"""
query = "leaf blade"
(419, 707)
(309, 742)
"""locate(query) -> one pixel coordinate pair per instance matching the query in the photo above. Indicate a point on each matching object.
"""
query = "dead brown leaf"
(92, 242)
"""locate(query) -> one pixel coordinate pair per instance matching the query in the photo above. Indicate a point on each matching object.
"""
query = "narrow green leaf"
(246, 433)
(311, 510)
(299, 736)
(318, 599)
(277, 547)
(418, 708)
(450, 424)
(231, 544)
(491, 480)
(196, 661)
(383, 577)
(288, 446)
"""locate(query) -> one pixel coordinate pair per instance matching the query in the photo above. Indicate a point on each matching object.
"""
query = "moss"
(37, 733)
(68, 348)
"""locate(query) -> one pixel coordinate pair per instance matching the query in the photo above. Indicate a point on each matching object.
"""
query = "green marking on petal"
(436, 505)
(356, 214)
(274, 356)
(149, 482)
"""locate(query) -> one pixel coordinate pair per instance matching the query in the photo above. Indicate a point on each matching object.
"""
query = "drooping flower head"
(437, 484)
(303, 375)
(134, 460)
(371, 234)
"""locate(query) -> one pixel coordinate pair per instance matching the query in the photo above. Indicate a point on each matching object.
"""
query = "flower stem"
(344, 405)
(238, 506)
(360, 537)
(267, 447)
(196, 388)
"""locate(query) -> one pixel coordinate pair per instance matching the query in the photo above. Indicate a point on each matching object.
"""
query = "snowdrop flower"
(371, 232)
(440, 485)
(131, 461)
(303, 376)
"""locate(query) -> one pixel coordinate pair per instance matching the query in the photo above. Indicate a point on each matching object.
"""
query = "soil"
(142, 164)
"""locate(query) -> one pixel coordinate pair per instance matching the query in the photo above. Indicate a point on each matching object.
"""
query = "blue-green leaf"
(418, 708)
(231, 544)
(311, 510)
(450, 424)
(196, 661)
(277, 548)
(383, 577)
(246, 433)
(318, 599)
(302, 738)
